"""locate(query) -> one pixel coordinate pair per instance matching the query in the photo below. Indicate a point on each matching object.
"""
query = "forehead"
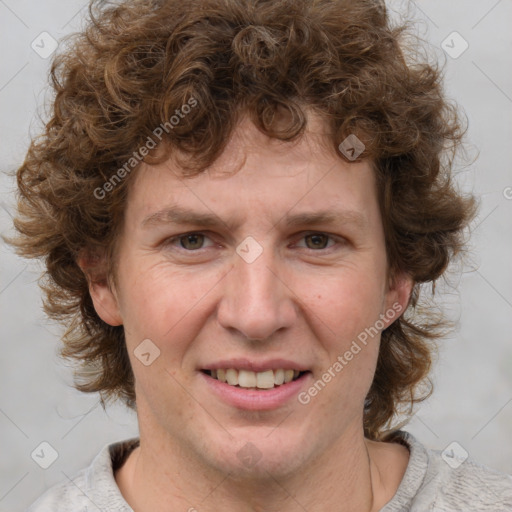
(257, 174)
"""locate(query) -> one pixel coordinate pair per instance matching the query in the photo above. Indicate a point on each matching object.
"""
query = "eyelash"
(177, 238)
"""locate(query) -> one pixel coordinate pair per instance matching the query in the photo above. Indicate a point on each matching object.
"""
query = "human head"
(141, 63)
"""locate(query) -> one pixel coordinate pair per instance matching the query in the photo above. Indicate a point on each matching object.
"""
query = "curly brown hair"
(138, 62)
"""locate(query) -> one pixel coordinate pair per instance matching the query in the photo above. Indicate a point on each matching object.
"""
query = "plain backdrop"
(472, 402)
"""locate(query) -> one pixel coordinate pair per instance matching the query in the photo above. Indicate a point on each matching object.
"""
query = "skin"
(302, 299)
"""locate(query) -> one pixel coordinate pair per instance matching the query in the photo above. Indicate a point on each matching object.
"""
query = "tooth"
(232, 376)
(279, 377)
(288, 376)
(265, 380)
(246, 379)
(214, 373)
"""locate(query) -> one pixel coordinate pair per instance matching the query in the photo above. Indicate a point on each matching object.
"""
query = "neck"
(161, 476)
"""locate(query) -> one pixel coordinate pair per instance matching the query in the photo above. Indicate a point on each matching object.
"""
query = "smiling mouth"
(247, 379)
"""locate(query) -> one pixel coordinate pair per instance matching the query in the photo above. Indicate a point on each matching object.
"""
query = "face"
(270, 265)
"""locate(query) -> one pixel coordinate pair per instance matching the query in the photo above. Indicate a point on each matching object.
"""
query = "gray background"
(472, 403)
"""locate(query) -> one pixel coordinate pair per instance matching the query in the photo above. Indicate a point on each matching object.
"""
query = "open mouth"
(247, 379)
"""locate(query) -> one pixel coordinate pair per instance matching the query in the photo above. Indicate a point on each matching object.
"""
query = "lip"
(256, 366)
(252, 400)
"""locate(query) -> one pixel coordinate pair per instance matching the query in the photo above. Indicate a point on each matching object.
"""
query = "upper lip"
(256, 366)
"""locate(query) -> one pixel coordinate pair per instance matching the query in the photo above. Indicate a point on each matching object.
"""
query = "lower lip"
(252, 400)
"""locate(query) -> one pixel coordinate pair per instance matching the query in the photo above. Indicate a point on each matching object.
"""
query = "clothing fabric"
(431, 483)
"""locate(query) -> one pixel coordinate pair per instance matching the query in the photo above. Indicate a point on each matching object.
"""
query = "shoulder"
(90, 489)
(469, 486)
(63, 496)
(440, 481)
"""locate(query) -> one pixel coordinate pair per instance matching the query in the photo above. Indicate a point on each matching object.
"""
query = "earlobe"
(102, 294)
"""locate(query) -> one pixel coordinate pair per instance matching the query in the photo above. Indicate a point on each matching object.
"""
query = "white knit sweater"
(429, 485)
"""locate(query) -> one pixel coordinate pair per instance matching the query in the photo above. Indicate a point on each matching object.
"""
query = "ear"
(397, 298)
(103, 294)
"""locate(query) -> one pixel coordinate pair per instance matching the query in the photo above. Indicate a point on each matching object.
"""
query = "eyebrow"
(184, 216)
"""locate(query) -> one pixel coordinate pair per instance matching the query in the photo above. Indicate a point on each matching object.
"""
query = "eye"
(316, 241)
(195, 241)
(189, 241)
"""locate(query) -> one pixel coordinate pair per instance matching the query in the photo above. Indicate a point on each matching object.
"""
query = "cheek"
(346, 309)
(164, 304)
(345, 304)
(168, 308)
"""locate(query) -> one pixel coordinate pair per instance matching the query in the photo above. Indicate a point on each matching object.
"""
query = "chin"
(260, 453)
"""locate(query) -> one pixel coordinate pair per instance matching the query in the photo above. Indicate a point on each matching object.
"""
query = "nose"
(257, 300)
